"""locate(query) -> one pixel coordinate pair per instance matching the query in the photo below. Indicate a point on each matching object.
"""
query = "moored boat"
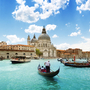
(1, 58)
(60, 59)
(74, 64)
(50, 74)
(20, 59)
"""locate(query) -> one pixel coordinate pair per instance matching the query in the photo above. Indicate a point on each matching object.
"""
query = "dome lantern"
(44, 30)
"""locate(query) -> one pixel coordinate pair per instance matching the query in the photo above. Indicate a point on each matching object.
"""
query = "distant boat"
(1, 58)
(60, 59)
(51, 74)
(77, 64)
(20, 59)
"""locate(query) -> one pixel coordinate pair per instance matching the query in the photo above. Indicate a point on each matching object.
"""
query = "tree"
(38, 52)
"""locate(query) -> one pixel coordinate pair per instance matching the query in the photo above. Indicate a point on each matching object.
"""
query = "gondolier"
(47, 65)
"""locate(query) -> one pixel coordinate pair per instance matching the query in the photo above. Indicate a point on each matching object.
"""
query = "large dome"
(44, 36)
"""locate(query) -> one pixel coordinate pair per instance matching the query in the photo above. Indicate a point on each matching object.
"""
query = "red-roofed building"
(8, 51)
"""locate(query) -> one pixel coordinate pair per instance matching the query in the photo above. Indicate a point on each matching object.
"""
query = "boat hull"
(15, 62)
(76, 65)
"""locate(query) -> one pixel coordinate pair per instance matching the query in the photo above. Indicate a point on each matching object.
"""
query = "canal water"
(25, 76)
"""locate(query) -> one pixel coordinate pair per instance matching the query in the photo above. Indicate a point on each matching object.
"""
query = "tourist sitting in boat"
(47, 66)
(42, 69)
(39, 67)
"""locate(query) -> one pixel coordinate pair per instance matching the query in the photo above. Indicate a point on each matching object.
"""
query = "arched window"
(46, 45)
(16, 53)
(23, 53)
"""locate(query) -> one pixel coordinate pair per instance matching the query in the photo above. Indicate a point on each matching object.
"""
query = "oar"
(53, 71)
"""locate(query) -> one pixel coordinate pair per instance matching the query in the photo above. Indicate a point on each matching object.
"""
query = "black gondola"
(50, 74)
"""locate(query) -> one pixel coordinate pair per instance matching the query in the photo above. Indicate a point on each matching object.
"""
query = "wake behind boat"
(20, 59)
(50, 74)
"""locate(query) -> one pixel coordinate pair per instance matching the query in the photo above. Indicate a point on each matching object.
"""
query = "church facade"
(43, 43)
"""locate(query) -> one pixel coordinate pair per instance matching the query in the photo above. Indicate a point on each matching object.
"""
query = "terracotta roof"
(77, 49)
(20, 45)
(17, 50)
(61, 50)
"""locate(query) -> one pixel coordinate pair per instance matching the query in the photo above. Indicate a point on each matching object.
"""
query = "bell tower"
(28, 40)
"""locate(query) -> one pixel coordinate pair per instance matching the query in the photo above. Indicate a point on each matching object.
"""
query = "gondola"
(60, 59)
(51, 74)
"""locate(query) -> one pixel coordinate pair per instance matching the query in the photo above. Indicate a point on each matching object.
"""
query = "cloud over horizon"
(83, 45)
(13, 39)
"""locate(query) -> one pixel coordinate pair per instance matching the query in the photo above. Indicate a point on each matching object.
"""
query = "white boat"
(20, 59)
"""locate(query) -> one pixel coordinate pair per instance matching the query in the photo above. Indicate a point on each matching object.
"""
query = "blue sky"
(67, 22)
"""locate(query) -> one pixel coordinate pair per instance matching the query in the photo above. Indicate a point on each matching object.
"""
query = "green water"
(25, 77)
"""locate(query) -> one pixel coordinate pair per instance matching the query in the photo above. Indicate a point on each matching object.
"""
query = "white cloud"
(77, 27)
(13, 39)
(67, 24)
(50, 27)
(37, 29)
(86, 39)
(54, 36)
(85, 45)
(21, 1)
(78, 1)
(62, 46)
(75, 33)
(42, 9)
(26, 13)
(83, 5)
(89, 30)
(34, 29)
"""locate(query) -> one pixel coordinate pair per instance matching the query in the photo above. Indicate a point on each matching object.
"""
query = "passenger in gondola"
(39, 67)
(42, 69)
(47, 66)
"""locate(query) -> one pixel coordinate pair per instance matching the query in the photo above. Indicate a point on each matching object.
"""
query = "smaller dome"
(34, 40)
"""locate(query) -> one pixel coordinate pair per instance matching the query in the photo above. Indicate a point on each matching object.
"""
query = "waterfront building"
(3, 43)
(70, 53)
(8, 51)
(43, 43)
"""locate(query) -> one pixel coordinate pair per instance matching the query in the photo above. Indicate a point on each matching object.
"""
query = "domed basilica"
(43, 44)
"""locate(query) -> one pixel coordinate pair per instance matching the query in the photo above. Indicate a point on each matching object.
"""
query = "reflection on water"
(51, 84)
